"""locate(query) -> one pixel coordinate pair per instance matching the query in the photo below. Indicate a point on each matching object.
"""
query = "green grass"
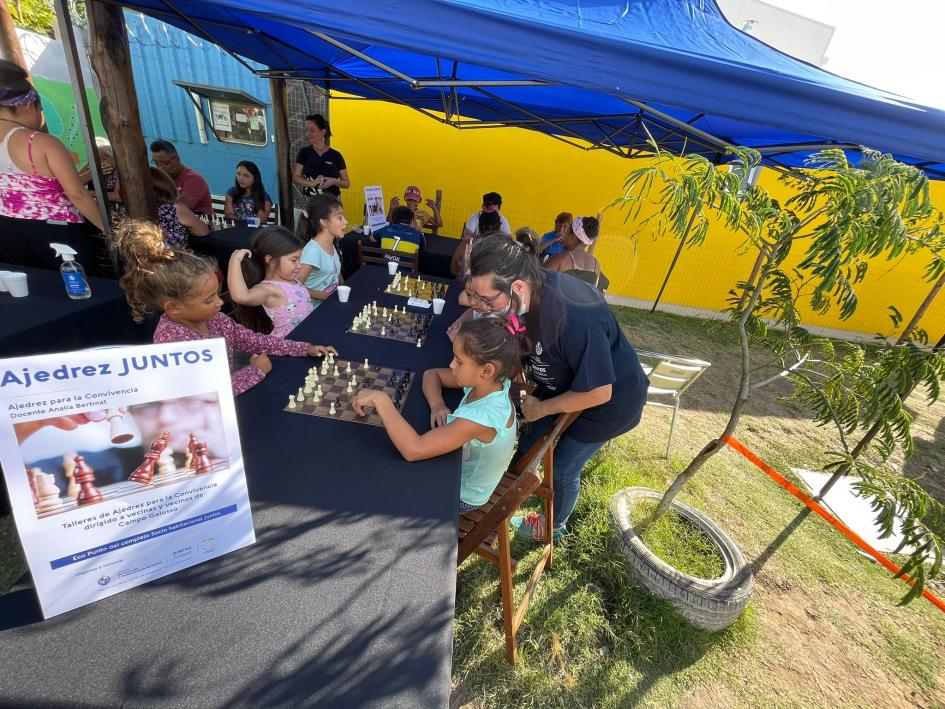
(677, 541)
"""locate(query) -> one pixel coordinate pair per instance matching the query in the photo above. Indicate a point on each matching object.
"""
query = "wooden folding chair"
(373, 254)
(480, 529)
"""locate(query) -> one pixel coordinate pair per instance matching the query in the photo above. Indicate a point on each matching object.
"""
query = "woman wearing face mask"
(579, 360)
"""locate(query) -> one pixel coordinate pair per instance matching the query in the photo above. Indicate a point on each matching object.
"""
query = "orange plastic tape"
(816, 507)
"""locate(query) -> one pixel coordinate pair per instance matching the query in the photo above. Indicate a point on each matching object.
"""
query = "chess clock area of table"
(329, 390)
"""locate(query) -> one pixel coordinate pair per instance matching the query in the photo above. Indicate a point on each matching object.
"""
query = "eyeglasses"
(487, 302)
(164, 163)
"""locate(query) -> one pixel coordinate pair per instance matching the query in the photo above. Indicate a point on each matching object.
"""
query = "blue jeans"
(569, 460)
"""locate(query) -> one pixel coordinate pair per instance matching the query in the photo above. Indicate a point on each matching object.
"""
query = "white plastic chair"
(670, 376)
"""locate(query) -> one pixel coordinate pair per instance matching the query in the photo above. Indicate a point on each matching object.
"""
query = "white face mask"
(508, 308)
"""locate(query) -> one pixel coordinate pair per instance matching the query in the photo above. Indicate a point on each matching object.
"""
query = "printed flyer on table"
(122, 465)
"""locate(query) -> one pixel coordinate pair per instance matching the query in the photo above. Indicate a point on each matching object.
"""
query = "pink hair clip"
(513, 325)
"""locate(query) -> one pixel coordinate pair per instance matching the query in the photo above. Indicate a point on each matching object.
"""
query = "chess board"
(399, 326)
(408, 287)
(128, 487)
(335, 389)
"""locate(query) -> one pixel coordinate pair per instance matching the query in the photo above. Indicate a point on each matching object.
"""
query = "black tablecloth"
(47, 320)
(346, 599)
(434, 257)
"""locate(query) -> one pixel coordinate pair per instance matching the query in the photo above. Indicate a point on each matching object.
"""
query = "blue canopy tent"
(599, 73)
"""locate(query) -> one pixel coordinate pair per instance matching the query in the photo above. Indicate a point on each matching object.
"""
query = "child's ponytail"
(155, 273)
(500, 340)
(274, 242)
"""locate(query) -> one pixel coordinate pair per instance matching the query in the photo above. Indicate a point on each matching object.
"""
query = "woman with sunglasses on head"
(579, 360)
(42, 199)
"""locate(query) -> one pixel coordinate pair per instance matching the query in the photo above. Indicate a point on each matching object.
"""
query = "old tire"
(710, 604)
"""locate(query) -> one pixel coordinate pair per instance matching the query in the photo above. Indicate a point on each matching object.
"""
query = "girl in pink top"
(263, 282)
(185, 287)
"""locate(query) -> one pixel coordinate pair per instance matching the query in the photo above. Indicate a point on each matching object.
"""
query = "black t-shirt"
(579, 346)
(328, 165)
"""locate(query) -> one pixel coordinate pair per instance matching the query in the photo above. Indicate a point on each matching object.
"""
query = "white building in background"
(793, 34)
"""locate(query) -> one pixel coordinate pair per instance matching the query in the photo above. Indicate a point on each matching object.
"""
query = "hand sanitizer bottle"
(77, 285)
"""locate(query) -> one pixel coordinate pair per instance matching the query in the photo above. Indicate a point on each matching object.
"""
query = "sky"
(895, 46)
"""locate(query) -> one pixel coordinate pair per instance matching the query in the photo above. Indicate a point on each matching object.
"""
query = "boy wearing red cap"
(422, 218)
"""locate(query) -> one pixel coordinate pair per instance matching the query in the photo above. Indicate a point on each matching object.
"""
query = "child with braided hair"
(184, 287)
(487, 354)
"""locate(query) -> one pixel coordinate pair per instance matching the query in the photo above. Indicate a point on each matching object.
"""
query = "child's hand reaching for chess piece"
(321, 350)
(184, 287)
(486, 355)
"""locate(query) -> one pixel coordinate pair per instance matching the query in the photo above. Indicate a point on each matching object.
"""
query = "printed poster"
(122, 465)
(221, 116)
(376, 215)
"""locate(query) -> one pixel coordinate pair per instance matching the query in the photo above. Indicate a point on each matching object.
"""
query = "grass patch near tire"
(677, 541)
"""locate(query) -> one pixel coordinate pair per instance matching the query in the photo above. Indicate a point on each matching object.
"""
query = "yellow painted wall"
(538, 176)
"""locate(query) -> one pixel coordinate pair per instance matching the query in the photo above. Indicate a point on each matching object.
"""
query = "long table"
(434, 257)
(47, 320)
(346, 599)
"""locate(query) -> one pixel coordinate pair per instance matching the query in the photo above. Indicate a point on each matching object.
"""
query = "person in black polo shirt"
(318, 167)
(579, 360)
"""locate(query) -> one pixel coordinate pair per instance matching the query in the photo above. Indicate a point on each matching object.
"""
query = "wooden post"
(119, 107)
(280, 117)
(9, 45)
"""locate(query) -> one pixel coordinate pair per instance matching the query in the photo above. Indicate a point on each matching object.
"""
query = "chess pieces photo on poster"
(329, 389)
(121, 451)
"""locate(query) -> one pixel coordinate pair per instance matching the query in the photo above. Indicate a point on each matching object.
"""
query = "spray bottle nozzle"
(66, 253)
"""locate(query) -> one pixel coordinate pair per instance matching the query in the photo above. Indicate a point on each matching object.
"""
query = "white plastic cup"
(438, 304)
(343, 293)
(16, 284)
(392, 267)
(3, 282)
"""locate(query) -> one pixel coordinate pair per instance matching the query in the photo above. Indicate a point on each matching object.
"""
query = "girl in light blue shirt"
(323, 221)
(487, 354)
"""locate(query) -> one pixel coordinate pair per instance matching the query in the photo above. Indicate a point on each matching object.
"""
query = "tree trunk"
(914, 323)
(281, 119)
(9, 44)
(119, 108)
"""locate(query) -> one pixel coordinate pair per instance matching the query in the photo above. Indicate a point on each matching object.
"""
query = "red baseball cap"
(412, 193)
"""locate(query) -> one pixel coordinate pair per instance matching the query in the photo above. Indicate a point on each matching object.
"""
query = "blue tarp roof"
(619, 71)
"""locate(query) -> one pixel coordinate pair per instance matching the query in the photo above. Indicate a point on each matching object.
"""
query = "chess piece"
(348, 368)
(165, 464)
(68, 466)
(29, 477)
(331, 409)
(419, 342)
(308, 387)
(191, 447)
(291, 406)
(354, 380)
(201, 460)
(366, 365)
(300, 395)
(145, 472)
(118, 430)
(85, 477)
(317, 397)
(335, 372)
(383, 331)
(315, 377)
(350, 387)
(47, 492)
